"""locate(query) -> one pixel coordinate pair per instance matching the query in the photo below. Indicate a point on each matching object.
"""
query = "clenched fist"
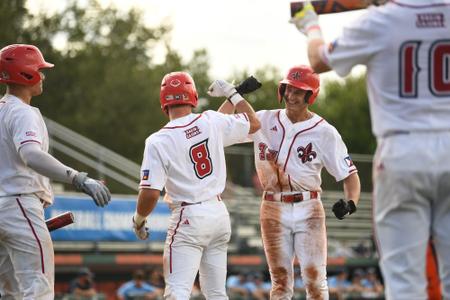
(342, 208)
(306, 20)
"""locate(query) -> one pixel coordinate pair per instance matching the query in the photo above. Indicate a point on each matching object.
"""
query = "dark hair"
(138, 275)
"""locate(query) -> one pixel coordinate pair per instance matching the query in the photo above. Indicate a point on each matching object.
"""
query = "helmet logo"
(175, 83)
(295, 76)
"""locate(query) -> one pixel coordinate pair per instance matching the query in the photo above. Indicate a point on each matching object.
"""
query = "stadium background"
(101, 102)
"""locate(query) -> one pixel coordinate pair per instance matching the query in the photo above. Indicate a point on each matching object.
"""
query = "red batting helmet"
(302, 77)
(21, 63)
(177, 88)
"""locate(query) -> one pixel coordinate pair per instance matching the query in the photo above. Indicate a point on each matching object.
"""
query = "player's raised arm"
(235, 100)
(307, 22)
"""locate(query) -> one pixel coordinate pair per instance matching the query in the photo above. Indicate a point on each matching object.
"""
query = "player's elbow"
(255, 125)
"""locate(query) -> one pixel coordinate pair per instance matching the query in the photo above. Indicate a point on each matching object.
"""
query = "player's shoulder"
(215, 116)
(375, 19)
(18, 110)
(266, 114)
(324, 126)
(212, 115)
(14, 104)
(155, 138)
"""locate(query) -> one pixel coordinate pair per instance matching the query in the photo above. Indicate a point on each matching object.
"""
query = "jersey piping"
(182, 126)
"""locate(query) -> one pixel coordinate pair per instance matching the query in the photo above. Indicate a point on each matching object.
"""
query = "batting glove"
(94, 188)
(141, 230)
(342, 208)
(248, 86)
(307, 22)
(221, 88)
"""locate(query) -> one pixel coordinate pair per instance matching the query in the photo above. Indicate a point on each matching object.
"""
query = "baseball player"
(406, 47)
(26, 249)
(187, 158)
(291, 148)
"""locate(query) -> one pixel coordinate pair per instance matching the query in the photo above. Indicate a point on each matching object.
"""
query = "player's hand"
(247, 86)
(343, 207)
(94, 188)
(221, 88)
(141, 230)
(305, 19)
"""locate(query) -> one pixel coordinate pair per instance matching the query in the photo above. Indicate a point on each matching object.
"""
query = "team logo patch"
(30, 133)
(306, 154)
(175, 83)
(145, 174)
(349, 161)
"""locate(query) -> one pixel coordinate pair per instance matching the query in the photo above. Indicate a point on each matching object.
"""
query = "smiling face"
(294, 98)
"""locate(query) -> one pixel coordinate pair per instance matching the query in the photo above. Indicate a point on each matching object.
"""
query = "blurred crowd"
(357, 283)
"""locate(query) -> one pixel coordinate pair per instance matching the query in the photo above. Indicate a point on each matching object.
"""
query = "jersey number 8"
(201, 159)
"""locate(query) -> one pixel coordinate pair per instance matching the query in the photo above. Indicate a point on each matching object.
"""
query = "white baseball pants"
(197, 240)
(412, 203)
(295, 229)
(26, 250)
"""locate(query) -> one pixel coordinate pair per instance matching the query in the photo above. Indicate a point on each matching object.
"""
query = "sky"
(238, 34)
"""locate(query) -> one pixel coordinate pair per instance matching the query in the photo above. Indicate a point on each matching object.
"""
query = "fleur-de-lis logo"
(306, 153)
(295, 76)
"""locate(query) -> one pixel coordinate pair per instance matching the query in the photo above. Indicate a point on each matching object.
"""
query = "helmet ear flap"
(308, 96)
(281, 90)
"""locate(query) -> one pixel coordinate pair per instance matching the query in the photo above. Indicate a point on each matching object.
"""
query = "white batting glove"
(94, 188)
(139, 227)
(221, 88)
(307, 22)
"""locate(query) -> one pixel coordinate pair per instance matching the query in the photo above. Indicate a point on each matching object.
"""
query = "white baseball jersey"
(20, 124)
(187, 158)
(290, 157)
(408, 77)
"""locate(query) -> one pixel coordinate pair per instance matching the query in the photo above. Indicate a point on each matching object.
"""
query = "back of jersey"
(405, 45)
(187, 156)
(409, 78)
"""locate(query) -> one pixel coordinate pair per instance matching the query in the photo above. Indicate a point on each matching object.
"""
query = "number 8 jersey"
(409, 78)
(187, 155)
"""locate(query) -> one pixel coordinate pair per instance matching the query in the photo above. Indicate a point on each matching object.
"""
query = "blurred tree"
(104, 84)
(12, 16)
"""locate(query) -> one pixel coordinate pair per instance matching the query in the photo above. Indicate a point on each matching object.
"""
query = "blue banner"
(111, 223)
